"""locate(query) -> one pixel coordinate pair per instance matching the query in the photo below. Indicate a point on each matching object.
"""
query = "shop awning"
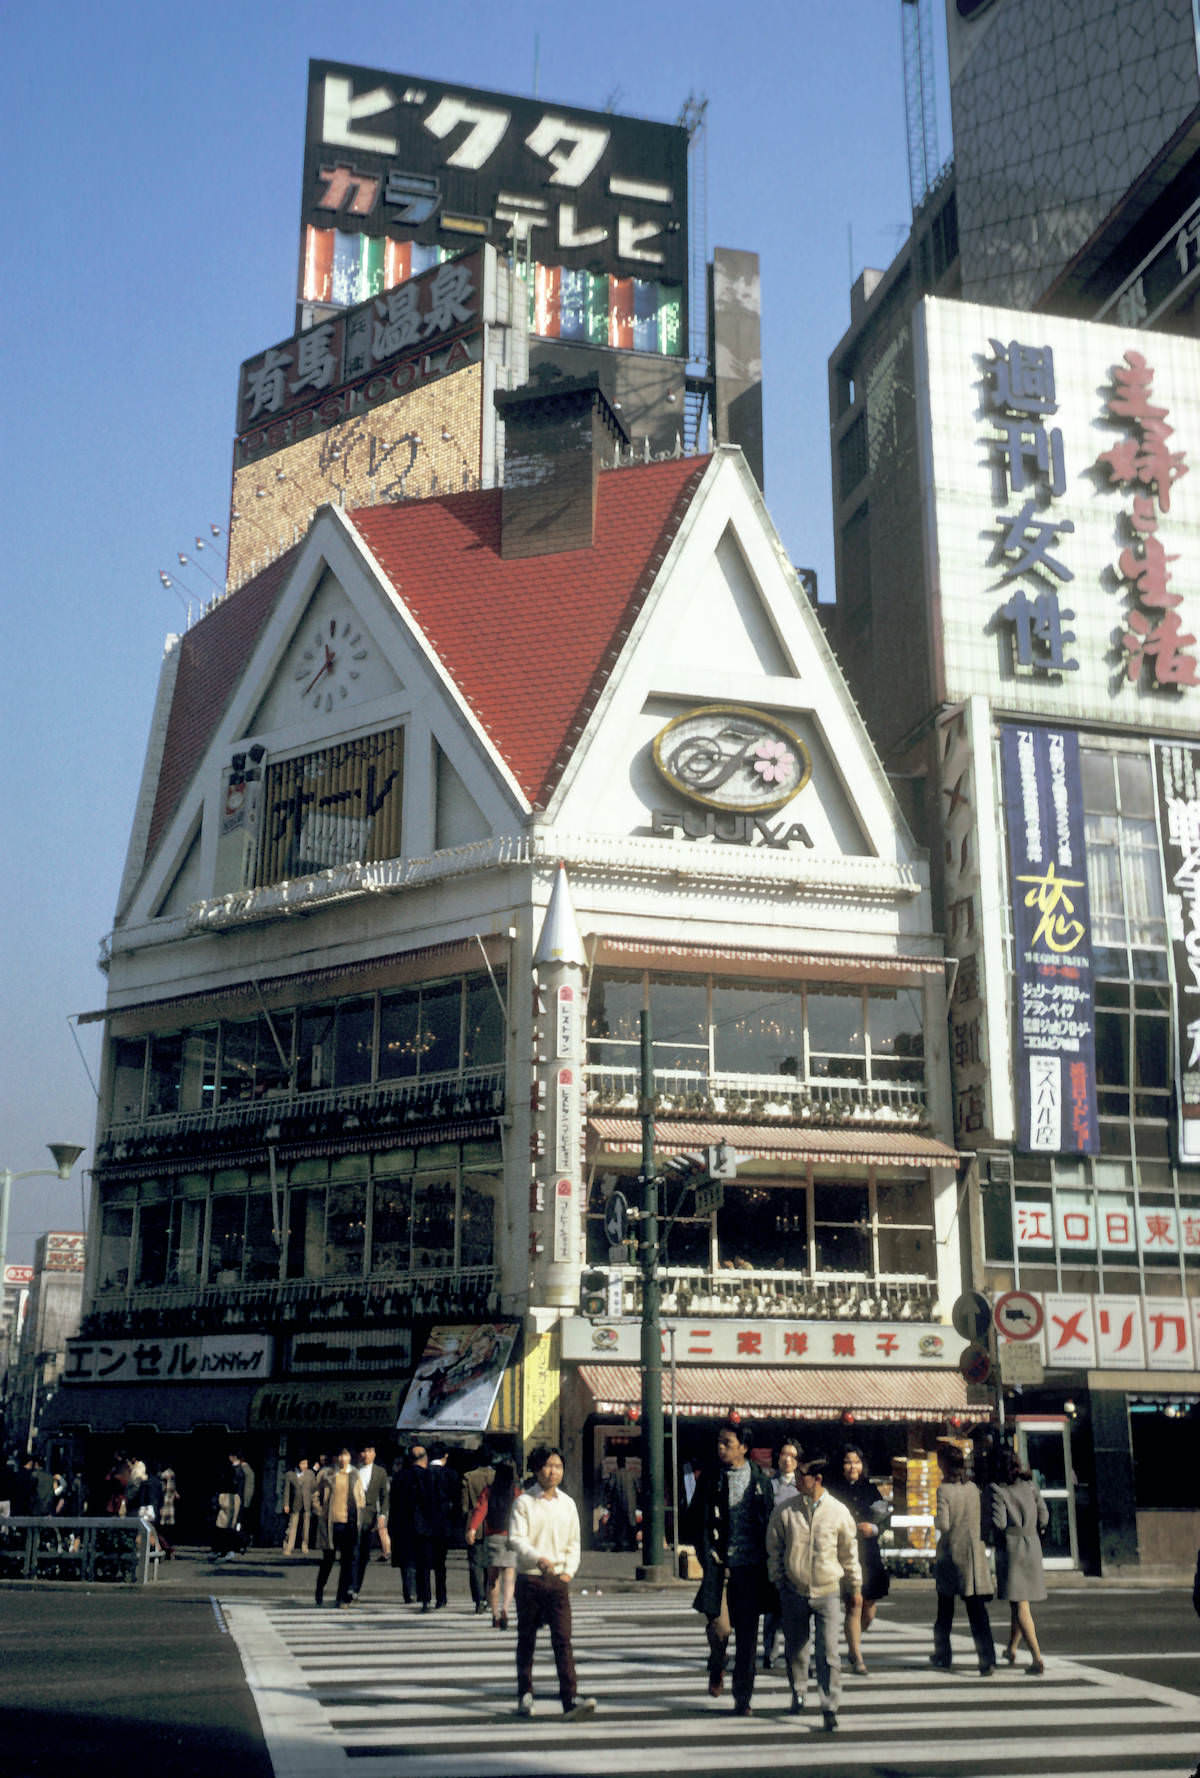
(844, 966)
(709, 1391)
(880, 1148)
(169, 1407)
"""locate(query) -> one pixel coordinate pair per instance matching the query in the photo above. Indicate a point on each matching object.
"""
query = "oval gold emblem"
(729, 757)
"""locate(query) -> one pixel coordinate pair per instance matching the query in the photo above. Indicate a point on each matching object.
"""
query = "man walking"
(473, 1485)
(812, 1545)
(437, 1523)
(544, 1533)
(299, 1492)
(374, 1512)
(730, 1512)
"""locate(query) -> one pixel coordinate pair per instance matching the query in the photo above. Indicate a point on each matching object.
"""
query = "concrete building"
(1012, 583)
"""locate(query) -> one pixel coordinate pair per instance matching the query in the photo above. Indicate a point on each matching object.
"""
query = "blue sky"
(153, 155)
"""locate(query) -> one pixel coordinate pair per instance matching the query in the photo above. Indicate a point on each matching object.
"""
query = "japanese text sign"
(1177, 775)
(417, 160)
(1054, 1057)
(169, 1358)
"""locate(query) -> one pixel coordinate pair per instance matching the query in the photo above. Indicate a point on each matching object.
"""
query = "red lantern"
(847, 1418)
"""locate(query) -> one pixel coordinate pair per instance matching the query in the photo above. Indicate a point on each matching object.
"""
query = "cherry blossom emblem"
(727, 756)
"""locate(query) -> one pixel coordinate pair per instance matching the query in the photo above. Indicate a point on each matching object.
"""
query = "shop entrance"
(1044, 1446)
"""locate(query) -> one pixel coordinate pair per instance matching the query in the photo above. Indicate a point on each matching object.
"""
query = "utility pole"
(652, 1567)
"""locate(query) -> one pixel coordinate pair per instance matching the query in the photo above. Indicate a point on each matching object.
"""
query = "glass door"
(1044, 1446)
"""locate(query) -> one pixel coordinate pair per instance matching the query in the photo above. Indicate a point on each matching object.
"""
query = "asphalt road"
(106, 1680)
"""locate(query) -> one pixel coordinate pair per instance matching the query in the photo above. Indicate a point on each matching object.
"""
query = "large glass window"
(116, 1241)
(128, 1078)
(881, 1228)
(813, 1032)
(152, 1243)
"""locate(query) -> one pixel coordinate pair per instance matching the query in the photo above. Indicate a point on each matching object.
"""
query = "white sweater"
(545, 1526)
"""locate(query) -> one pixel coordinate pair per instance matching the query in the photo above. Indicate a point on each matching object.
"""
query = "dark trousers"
(741, 1603)
(429, 1558)
(362, 1557)
(544, 1599)
(477, 1567)
(977, 1618)
(343, 1544)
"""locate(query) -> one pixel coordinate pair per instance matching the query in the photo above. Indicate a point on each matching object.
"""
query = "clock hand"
(319, 674)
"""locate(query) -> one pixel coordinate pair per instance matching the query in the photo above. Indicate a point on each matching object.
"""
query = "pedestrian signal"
(593, 1295)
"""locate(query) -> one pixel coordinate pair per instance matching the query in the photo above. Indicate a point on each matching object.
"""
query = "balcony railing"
(385, 1105)
(754, 1098)
(466, 1290)
(789, 1295)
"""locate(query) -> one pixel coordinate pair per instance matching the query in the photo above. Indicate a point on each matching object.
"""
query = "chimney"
(558, 432)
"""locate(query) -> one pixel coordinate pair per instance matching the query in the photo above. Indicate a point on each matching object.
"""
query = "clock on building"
(328, 665)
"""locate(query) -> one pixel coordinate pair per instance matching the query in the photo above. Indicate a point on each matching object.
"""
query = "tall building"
(1012, 420)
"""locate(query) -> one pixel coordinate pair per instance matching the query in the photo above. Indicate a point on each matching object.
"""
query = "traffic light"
(593, 1294)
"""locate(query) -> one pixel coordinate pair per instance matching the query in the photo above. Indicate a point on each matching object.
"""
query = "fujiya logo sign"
(727, 757)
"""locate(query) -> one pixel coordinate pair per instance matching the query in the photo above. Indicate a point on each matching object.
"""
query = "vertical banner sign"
(1177, 775)
(566, 1121)
(567, 1017)
(564, 1221)
(1055, 1041)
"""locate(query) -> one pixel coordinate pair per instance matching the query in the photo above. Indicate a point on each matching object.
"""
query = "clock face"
(330, 661)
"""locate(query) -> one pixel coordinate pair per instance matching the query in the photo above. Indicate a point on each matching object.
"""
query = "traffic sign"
(1020, 1362)
(1018, 1315)
(616, 1218)
(722, 1161)
(710, 1196)
(974, 1363)
(971, 1315)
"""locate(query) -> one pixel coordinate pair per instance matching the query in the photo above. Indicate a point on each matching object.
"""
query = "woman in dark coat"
(1017, 1516)
(960, 1568)
(871, 1513)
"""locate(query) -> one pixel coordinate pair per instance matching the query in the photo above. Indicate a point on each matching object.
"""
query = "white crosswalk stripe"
(385, 1692)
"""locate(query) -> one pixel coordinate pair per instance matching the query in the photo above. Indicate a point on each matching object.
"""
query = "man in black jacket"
(374, 1514)
(728, 1519)
(438, 1519)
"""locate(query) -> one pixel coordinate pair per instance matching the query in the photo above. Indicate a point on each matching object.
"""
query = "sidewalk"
(194, 1574)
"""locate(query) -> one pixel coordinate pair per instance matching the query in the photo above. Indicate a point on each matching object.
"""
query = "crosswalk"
(381, 1691)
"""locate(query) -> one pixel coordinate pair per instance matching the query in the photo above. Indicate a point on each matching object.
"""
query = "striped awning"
(844, 966)
(880, 1148)
(710, 1391)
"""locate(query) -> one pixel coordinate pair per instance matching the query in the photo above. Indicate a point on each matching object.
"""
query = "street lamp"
(65, 1156)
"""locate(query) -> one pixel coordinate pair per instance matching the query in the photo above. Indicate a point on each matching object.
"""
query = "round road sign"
(971, 1315)
(974, 1363)
(1018, 1315)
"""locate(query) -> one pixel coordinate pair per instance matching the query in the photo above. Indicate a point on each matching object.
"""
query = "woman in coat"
(1017, 1517)
(960, 1568)
(489, 1520)
(871, 1514)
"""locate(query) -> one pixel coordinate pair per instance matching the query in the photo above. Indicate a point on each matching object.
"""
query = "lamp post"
(652, 1567)
(65, 1155)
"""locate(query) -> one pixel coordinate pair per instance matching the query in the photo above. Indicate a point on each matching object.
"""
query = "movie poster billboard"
(1177, 777)
(455, 1384)
(1054, 1054)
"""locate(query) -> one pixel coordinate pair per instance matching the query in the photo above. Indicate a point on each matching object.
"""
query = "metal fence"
(78, 1549)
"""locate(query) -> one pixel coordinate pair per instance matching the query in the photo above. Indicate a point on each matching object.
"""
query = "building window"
(787, 1030)
(338, 805)
(874, 1229)
(438, 1028)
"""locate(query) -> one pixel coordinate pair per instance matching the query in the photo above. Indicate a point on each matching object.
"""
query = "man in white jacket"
(544, 1534)
(812, 1546)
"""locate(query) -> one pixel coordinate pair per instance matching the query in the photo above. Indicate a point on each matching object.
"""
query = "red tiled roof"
(531, 642)
(212, 658)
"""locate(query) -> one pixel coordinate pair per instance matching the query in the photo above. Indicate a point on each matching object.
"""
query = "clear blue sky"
(152, 157)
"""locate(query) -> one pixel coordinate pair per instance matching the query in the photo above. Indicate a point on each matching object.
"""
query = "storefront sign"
(18, 1275)
(566, 1024)
(377, 350)
(564, 1220)
(731, 830)
(566, 1120)
(734, 1340)
(1079, 1332)
(1177, 775)
(167, 1359)
(1170, 268)
(375, 1350)
(1112, 1226)
(64, 1252)
(340, 1406)
(728, 757)
(540, 1390)
(1055, 1053)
